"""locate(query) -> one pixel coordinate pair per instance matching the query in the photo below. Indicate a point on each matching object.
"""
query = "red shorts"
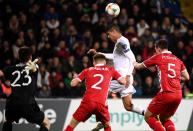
(165, 103)
(86, 109)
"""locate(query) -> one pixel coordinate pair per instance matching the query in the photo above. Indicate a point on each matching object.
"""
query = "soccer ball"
(112, 9)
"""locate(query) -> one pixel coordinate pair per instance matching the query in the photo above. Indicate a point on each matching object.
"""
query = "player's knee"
(106, 125)
(128, 107)
(146, 117)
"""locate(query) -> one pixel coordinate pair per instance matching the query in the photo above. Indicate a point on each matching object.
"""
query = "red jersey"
(169, 70)
(97, 80)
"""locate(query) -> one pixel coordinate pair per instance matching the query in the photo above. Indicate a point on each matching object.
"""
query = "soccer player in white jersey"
(123, 59)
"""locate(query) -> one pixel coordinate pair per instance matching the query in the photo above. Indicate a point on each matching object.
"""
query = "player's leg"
(126, 94)
(153, 122)
(12, 113)
(73, 123)
(102, 114)
(156, 107)
(81, 114)
(107, 126)
(173, 103)
(33, 114)
(7, 126)
(45, 125)
(129, 106)
(167, 122)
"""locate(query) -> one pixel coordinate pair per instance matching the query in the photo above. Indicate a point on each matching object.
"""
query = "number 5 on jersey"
(170, 68)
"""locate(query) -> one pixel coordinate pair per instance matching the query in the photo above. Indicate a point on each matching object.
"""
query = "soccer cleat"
(143, 112)
(98, 127)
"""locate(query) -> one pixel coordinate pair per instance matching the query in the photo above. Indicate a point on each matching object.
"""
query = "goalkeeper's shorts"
(115, 87)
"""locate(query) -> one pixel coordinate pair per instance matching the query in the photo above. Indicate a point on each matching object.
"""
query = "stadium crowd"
(60, 32)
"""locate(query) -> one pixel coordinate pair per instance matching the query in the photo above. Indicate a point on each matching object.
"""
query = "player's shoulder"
(156, 56)
(89, 69)
(10, 68)
(110, 68)
(123, 40)
(19, 66)
(178, 59)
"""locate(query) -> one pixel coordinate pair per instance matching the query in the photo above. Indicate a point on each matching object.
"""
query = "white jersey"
(122, 57)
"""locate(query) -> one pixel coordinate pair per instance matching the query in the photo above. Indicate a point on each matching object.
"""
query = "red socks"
(155, 124)
(169, 125)
(107, 128)
(68, 128)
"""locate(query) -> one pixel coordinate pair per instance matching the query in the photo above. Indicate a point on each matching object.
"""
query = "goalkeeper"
(21, 79)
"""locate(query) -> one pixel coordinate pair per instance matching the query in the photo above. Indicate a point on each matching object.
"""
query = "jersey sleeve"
(82, 75)
(125, 46)
(115, 74)
(182, 66)
(154, 60)
(6, 73)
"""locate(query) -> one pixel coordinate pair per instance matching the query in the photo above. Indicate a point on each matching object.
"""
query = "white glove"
(31, 66)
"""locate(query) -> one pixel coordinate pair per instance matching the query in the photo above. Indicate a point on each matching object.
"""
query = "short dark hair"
(162, 44)
(113, 27)
(24, 54)
(98, 57)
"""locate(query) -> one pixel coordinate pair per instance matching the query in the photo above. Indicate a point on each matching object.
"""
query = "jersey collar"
(167, 52)
(99, 64)
(118, 40)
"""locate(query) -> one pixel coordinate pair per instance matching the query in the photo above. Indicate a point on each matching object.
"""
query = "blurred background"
(60, 32)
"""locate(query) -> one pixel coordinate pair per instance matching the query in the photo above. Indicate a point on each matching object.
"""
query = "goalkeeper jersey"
(23, 85)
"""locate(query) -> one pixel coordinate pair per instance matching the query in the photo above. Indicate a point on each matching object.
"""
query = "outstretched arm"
(78, 78)
(138, 66)
(75, 82)
(107, 55)
(122, 80)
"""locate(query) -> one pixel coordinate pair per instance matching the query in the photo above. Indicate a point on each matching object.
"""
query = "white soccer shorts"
(115, 87)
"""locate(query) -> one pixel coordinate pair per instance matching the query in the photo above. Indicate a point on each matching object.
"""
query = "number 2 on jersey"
(18, 76)
(95, 86)
(170, 68)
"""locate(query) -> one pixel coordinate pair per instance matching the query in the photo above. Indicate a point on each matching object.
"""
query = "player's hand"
(92, 51)
(31, 66)
(75, 75)
(127, 78)
(1, 73)
(135, 63)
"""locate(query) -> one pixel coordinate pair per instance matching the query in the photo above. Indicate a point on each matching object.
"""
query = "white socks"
(138, 110)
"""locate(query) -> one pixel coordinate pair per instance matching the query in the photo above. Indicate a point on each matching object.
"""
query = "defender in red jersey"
(171, 71)
(97, 80)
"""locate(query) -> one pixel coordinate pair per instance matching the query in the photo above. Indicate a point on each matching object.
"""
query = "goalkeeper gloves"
(31, 66)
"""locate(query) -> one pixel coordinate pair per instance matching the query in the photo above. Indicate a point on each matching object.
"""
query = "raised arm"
(107, 55)
(138, 66)
(122, 80)
(78, 78)
(75, 82)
